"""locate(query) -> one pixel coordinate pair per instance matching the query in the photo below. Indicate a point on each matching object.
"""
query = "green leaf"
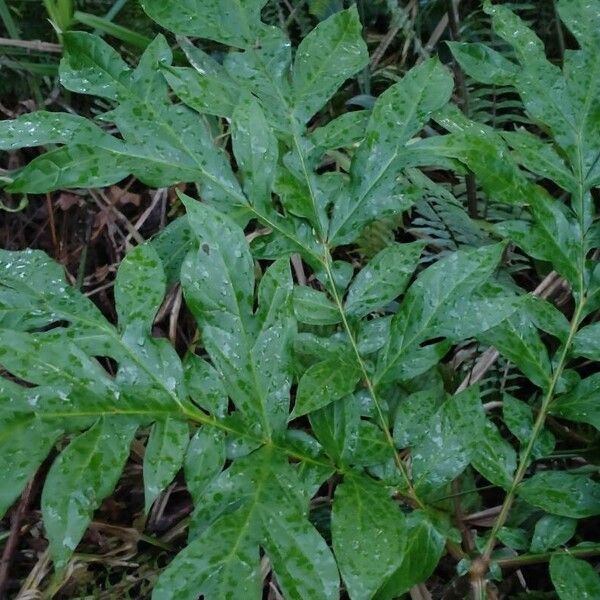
(207, 88)
(454, 433)
(583, 19)
(204, 460)
(495, 458)
(586, 342)
(163, 144)
(573, 578)
(518, 340)
(518, 417)
(369, 535)
(422, 552)
(514, 538)
(581, 404)
(218, 284)
(44, 359)
(140, 286)
(314, 307)
(264, 71)
(539, 158)
(552, 531)
(413, 416)
(45, 128)
(399, 113)
(256, 152)
(546, 316)
(432, 297)
(302, 561)
(372, 335)
(34, 294)
(315, 80)
(257, 500)
(19, 457)
(337, 428)
(483, 64)
(274, 294)
(564, 494)
(204, 385)
(223, 560)
(91, 66)
(343, 131)
(372, 446)
(325, 382)
(80, 478)
(218, 279)
(163, 457)
(74, 166)
(552, 236)
(383, 279)
(232, 22)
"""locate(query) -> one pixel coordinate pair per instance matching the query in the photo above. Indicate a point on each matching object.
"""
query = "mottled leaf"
(231, 22)
(80, 478)
(140, 286)
(564, 494)
(573, 579)
(369, 535)
(383, 279)
(581, 404)
(163, 457)
(552, 531)
(325, 382)
(314, 307)
(315, 80)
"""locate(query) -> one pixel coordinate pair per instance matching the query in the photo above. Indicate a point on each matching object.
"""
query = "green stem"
(532, 559)
(370, 386)
(537, 428)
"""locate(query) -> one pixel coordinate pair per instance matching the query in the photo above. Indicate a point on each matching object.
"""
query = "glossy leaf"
(519, 341)
(140, 286)
(80, 478)
(383, 279)
(422, 552)
(563, 494)
(163, 457)
(343, 131)
(483, 64)
(325, 382)
(218, 282)
(397, 116)
(454, 432)
(255, 501)
(315, 80)
(227, 21)
(518, 417)
(314, 307)
(586, 343)
(255, 149)
(337, 428)
(552, 531)
(204, 460)
(494, 457)
(413, 415)
(45, 128)
(369, 536)
(92, 67)
(19, 458)
(433, 295)
(581, 404)
(573, 578)
(207, 91)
